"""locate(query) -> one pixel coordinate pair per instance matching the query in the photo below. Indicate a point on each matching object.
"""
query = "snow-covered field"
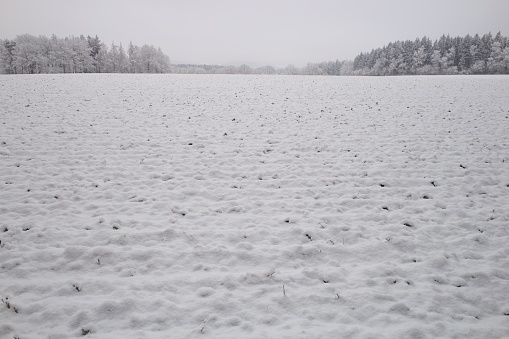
(175, 206)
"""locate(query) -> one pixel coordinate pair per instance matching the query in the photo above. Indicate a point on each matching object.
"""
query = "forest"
(448, 55)
(322, 68)
(28, 54)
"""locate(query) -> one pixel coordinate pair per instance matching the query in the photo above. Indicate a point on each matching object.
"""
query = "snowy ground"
(158, 206)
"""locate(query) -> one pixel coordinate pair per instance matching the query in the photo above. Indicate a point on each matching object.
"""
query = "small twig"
(284, 292)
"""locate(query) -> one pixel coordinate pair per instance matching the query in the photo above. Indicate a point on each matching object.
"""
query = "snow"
(216, 206)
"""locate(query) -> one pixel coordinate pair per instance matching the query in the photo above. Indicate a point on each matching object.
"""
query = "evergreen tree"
(123, 62)
(95, 46)
(8, 56)
(112, 61)
(133, 54)
(463, 55)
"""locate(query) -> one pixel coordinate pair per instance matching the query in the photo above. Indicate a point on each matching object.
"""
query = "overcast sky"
(256, 32)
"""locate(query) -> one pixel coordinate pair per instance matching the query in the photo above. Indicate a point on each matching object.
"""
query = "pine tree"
(10, 48)
(133, 54)
(95, 46)
(123, 62)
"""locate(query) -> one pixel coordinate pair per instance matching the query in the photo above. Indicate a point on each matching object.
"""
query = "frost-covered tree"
(102, 59)
(435, 62)
(30, 54)
(123, 61)
(346, 68)
(164, 61)
(133, 54)
(148, 59)
(447, 55)
(112, 61)
(310, 69)
(290, 70)
(244, 69)
(8, 54)
(94, 45)
(28, 58)
(82, 61)
(152, 60)
(265, 70)
(496, 62)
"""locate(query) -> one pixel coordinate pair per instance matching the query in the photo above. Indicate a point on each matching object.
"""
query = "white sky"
(256, 32)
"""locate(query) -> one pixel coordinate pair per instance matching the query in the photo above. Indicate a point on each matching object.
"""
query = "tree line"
(28, 54)
(447, 55)
(323, 68)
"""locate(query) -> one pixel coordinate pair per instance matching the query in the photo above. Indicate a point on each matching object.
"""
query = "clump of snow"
(156, 206)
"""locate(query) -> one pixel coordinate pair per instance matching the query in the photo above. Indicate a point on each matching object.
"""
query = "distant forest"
(447, 55)
(322, 68)
(28, 54)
